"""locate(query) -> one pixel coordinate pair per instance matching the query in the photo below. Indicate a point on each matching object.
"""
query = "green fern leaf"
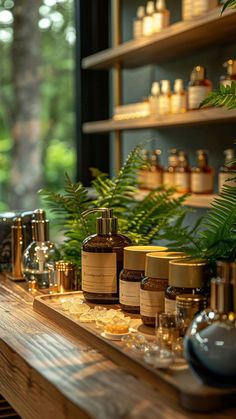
(229, 4)
(224, 97)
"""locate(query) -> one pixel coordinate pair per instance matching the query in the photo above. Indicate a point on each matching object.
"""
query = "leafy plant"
(229, 4)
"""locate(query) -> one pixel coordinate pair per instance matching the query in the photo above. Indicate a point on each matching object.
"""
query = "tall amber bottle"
(102, 259)
(202, 176)
(182, 174)
(227, 79)
(154, 176)
(228, 170)
(198, 87)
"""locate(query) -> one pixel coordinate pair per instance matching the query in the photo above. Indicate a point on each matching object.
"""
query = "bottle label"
(138, 29)
(99, 272)
(201, 182)
(226, 82)
(159, 22)
(223, 177)
(170, 306)
(187, 9)
(153, 179)
(147, 25)
(130, 293)
(151, 302)
(182, 181)
(164, 104)
(196, 94)
(169, 178)
(178, 103)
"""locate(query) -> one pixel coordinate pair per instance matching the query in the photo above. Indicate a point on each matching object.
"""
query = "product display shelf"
(193, 200)
(179, 383)
(175, 41)
(191, 118)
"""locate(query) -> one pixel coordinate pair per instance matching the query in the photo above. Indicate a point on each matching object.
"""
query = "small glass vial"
(182, 174)
(143, 172)
(138, 23)
(154, 177)
(228, 170)
(187, 9)
(188, 276)
(198, 88)
(227, 79)
(132, 274)
(165, 98)
(202, 176)
(154, 99)
(202, 6)
(153, 286)
(187, 307)
(148, 19)
(161, 17)
(169, 172)
(179, 98)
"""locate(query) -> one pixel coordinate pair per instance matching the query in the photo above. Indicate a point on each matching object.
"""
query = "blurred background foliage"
(56, 24)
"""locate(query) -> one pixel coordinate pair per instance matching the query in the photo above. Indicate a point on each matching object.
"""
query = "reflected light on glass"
(6, 17)
(44, 23)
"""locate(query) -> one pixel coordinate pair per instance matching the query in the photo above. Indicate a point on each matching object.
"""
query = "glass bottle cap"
(188, 273)
(157, 264)
(198, 73)
(135, 256)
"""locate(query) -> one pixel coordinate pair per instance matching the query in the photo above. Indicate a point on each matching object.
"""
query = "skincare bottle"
(154, 99)
(199, 87)
(138, 23)
(202, 6)
(187, 9)
(165, 98)
(202, 176)
(169, 172)
(154, 177)
(17, 247)
(102, 259)
(161, 17)
(227, 79)
(39, 255)
(182, 174)
(143, 171)
(148, 19)
(228, 170)
(179, 98)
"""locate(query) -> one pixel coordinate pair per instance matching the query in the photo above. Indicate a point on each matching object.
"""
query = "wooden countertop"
(47, 373)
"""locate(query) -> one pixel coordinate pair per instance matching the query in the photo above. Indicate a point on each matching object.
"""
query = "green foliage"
(224, 97)
(229, 4)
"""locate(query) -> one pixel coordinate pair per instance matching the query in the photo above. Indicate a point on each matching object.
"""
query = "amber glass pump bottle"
(102, 259)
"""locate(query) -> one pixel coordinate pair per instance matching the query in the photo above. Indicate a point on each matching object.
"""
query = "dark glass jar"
(189, 276)
(132, 274)
(153, 286)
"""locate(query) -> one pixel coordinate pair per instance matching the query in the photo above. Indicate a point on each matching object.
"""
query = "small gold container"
(63, 276)
(188, 305)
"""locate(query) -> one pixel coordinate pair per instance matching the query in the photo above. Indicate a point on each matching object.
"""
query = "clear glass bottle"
(154, 176)
(227, 79)
(152, 292)
(203, 6)
(228, 170)
(138, 23)
(202, 176)
(165, 98)
(188, 276)
(198, 88)
(143, 172)
(182, 174)
(39, 255)
(154, 99)
(161, 16)
(102, 259)
(179, 98)
(132, 274)
(148, 19)
(170, 170)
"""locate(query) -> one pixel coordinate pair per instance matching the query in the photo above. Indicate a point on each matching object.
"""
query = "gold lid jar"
(63, 276)
(157, 264)
(132, 274)
(188, 273)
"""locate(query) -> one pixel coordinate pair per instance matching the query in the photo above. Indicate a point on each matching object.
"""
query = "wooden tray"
(181, 385)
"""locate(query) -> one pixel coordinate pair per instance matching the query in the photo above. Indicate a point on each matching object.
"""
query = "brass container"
(63, 276)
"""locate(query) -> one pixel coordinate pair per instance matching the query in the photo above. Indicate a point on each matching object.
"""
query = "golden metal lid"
(62, 265)
(188, 273)
(191, 300)
(135, 256)
(157, 264)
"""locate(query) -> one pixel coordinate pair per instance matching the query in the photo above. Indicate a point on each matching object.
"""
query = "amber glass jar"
(187, 306)
(132, 274)
(152, 293)
(189, 276)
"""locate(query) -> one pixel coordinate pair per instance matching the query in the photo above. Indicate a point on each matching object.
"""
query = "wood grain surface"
(47, 373)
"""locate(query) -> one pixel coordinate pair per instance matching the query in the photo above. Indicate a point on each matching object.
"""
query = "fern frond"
(224, 97)
(229, 4)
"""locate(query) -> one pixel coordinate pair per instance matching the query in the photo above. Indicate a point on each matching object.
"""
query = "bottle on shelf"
(179, 98)
(182, 174)
(202, 176)
(187, 9)
(154, 177)
(142, 173)
(228, 170)
(227, 79)
(165, 98)
(154, 99)
(169, 171)
(148, 19)
(138, 23)
(161, 17)
(202, 6)
(102, 259)
(199, 87)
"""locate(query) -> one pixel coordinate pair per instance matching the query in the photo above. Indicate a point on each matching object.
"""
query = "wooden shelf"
(203, 116)
(174, 41)
(194, 200)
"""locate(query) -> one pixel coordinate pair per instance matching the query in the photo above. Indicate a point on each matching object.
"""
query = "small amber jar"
(132, 274)
(189, 276)
(152, 292)
(187, 306)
